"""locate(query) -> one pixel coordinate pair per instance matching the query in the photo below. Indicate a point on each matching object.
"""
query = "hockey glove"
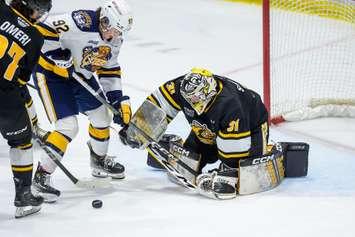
(122, 104)
(63, 60)
(126, 140)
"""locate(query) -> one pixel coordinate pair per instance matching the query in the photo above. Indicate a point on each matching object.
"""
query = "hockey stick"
(164, 154)
(96, 94)
(158, 150)
(87, 184)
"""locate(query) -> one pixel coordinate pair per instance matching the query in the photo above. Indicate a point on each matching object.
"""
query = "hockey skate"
(105, 166)
(42, 186)
(25, 202)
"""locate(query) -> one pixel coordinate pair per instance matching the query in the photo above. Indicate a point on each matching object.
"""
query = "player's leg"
(100, 119)
(60, 104)
(15, 126)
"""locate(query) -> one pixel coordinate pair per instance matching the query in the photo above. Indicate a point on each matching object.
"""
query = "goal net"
(309, 58)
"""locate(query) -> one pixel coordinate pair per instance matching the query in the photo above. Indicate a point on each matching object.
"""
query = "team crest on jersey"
(95, 57)
(203, 133)
(82, 19)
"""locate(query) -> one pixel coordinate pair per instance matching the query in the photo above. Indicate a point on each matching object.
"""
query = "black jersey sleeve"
(167, 98)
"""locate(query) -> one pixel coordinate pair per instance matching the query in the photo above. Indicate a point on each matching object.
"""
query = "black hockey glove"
(127, 140)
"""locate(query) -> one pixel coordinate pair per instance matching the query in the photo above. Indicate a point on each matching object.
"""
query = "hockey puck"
(97, 204)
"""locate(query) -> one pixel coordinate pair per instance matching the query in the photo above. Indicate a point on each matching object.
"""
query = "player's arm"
(166, 98)
(111, 82)
(53, 57)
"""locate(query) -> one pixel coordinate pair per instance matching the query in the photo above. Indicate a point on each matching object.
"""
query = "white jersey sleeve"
(78, 32)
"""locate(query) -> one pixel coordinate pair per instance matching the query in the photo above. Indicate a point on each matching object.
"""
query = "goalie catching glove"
(218, 184)
(122, 104)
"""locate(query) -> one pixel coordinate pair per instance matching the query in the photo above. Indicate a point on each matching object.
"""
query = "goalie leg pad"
(295, 158)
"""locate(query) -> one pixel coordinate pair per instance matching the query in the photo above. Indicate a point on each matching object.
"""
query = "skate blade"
(47, 197)
(25, 211)
(102, 174)
(95, 183)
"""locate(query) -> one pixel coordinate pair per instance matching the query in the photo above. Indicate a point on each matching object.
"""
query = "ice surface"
(168, 38)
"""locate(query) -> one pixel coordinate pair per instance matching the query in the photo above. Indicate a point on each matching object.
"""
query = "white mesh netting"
(312, 56)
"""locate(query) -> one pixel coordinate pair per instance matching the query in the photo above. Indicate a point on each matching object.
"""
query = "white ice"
(168, 38)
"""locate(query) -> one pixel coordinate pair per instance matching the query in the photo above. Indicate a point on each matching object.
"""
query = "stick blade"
(94, 183)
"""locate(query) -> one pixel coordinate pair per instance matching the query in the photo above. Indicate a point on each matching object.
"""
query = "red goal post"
(309, 58)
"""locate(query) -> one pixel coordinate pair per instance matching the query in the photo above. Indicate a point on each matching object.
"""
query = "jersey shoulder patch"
(85, 20)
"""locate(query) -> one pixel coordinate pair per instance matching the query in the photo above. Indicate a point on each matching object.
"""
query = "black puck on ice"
(97, 204)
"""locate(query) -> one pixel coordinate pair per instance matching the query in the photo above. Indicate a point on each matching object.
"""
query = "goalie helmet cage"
(309, 59)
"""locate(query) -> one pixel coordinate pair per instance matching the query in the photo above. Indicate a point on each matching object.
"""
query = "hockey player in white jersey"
(87, 43)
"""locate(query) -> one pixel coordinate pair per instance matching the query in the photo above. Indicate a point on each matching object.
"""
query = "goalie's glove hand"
(122, 104)
(126, 140)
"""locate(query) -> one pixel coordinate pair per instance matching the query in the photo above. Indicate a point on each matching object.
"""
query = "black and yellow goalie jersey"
(228, 121)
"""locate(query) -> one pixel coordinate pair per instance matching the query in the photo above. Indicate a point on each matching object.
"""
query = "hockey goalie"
(228, 126)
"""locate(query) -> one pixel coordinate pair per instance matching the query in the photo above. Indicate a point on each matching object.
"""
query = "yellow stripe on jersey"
(101, 134)
(29, 103)
(46, 97)
(25, 146)
(58, 140)
(107, 72)
(22, 168)
(21, 82)
(47, 33)
(234, 135)
(233, 155)
(153, 100)
(169, 98)
(63, 72)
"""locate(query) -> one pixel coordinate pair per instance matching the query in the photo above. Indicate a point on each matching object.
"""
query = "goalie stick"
(158, 150)
(164, 154)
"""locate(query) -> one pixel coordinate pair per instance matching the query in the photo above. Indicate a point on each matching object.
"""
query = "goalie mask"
(198, 88)
(115, 21)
